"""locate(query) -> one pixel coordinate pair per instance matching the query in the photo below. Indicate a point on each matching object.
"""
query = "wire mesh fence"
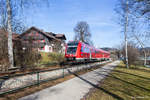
(19, 81)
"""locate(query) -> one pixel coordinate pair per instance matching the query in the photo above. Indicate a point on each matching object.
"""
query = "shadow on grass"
(32, 98)
(101, 73)
(114, 77)
(100, 88)
(129, 74)
(132, 74)
(135, 68)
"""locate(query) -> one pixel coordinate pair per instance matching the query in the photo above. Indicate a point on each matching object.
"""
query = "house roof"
(60, 36)
(45, 33)
(15, 36)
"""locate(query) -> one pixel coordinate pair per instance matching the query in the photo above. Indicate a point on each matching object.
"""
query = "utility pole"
(125, 33)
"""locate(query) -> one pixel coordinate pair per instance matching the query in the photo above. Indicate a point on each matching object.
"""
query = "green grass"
(125, 84)
(50, 59)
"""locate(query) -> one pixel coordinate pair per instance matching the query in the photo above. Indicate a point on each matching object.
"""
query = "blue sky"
(62, 16)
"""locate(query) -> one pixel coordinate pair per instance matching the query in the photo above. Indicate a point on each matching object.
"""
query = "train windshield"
(74, 43)
(71, 50)
(72, 47)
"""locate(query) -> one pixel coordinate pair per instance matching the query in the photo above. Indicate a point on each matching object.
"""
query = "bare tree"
(3, 51)
(122, 10)
(8, 10)
(138, 22)
(82, 32)
(133, 53)
(142, 7)
(140, 12)
(138, 26)
(18, 25)
(134, 34)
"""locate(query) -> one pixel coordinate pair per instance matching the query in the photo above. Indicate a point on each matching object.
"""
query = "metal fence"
(12, 83)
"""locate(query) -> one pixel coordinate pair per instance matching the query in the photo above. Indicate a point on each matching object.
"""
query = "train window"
(95, 52)
(82, 49)
(74, 43)
(85, 49)
(88, 50)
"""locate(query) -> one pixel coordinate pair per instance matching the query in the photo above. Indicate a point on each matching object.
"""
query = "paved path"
(73, 89)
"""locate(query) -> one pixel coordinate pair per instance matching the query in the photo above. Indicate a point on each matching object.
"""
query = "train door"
(90, 54)
(103, 56)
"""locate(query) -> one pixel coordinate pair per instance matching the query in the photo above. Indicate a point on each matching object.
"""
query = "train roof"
(104, 51)
(89, 46)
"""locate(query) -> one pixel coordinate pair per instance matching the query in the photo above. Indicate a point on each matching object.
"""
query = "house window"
(34, 32)
(42, 40)
(37, 34)
(42, 48)
(40, 36)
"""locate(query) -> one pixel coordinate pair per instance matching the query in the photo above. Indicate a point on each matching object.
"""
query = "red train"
(77, 50)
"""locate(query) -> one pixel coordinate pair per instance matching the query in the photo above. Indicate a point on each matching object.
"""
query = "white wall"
(48, 48)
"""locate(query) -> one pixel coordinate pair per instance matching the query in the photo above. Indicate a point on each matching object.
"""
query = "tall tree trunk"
(125, 33)
(10, 45)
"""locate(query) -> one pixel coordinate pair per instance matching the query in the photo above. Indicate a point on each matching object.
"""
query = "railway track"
(79, 62)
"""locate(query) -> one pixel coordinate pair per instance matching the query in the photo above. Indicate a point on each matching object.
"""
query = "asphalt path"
(73, 89)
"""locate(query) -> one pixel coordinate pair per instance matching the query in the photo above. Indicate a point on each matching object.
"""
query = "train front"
(71, 50)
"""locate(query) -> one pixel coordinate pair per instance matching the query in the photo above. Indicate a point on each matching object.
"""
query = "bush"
(3, 52)
(133, 53)
(31, 58)
(56, 57)
(44, 58)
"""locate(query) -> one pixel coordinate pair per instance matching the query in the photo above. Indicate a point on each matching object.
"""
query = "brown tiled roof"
(45, 33)
(60, 36)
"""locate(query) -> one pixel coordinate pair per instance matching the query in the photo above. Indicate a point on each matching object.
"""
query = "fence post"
(63, 72)
(38, 78)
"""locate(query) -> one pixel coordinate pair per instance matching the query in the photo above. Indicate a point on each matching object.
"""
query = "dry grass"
(124, 84)
(45, 58)
(44, 64)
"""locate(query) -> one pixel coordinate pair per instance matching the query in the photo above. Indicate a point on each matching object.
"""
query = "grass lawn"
(124, 84)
